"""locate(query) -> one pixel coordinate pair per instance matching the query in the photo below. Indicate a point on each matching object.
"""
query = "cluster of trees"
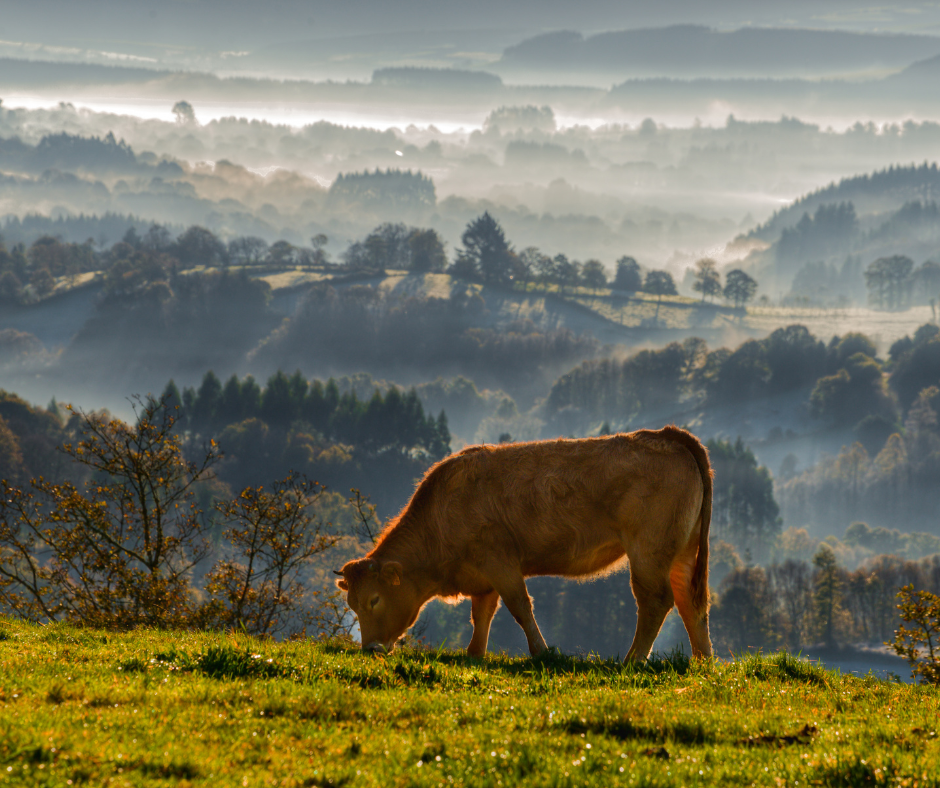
(140, 259)
(797, 603)
(397, 246)
(839, 201)
(744, 511)
(653, 380)
(890, 472)
(389, 190)
(28, 439)
(894, 283)
(196, 246)
(389, 422)
(292, 424)
(28, 274)
(895, 483)
(739, 287)
(487, 256)
(847, 385)
(65, 151)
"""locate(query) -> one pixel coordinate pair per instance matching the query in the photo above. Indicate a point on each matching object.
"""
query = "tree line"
(798, 603)
(894, 283)
(486, 255)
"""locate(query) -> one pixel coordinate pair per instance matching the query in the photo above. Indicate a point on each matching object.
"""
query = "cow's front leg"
(510, 585)
(483, 608)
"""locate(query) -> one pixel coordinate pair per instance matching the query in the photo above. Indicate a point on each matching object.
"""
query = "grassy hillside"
(156, 708)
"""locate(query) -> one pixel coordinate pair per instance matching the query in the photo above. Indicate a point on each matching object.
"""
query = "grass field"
(154, 708)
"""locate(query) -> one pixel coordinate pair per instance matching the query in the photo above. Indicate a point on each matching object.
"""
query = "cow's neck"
(410, 547)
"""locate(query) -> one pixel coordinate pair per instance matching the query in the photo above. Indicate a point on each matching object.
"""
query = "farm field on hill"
(883, 328)
(80, 706)
(616, 319)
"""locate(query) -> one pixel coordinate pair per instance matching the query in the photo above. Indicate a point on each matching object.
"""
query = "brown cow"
(483, 520)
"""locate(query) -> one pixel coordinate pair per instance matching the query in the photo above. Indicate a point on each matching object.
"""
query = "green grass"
(156, 708)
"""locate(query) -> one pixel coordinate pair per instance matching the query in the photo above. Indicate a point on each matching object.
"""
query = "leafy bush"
(917, 639)
(122, 550)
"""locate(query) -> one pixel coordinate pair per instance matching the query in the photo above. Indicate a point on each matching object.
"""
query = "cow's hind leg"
(695, 617)
(654, 600)
(483, 608)
(510, 585)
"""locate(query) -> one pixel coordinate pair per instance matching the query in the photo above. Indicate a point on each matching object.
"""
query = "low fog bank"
(664, 195)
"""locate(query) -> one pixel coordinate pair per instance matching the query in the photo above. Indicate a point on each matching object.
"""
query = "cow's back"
(567, 507)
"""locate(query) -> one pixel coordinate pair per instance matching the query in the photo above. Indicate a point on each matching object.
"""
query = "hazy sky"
(130, 23)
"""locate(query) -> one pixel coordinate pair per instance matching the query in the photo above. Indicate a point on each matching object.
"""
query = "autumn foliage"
(132, 545)
(917, 639)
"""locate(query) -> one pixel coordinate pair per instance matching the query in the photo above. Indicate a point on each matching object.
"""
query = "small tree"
(320, 255)
(117, 553)
(567, 272)
(543, 265)
(427, 251)
(281, 253)
(707, 280)
(659, 283)
(271, 537)
(627, 278)
(827, 596)
(184, 112)
(42, 282)
(485, 244)
(917, 639)
(593, 275)
(890, 281)
(739, 287)
(199, 246)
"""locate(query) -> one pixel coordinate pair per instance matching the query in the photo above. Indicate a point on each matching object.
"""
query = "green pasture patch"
(84, 707)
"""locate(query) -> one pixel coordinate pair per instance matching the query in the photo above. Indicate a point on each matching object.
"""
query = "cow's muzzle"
(375, 648)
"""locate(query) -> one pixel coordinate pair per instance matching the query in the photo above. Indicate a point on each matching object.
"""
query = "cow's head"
(385, 601)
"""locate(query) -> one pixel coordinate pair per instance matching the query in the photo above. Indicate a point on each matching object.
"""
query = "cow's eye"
(373, 602)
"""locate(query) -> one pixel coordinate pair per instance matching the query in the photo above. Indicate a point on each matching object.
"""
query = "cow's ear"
(391, 573)
(342, 585)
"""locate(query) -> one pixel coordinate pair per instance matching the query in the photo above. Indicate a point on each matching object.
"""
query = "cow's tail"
(700, 453)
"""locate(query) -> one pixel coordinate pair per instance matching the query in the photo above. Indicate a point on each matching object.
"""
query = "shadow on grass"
(784, 667)
(552, 662)
(407, 666)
